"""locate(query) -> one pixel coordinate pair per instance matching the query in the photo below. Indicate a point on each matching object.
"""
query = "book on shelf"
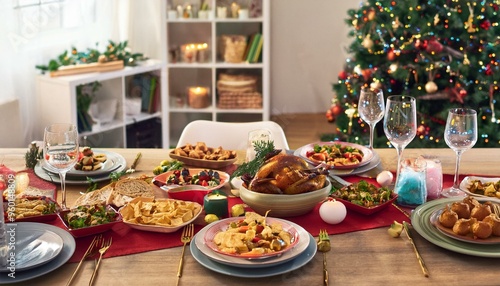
(247, 48)
(258, 50)
(146, 87)
(253, 47)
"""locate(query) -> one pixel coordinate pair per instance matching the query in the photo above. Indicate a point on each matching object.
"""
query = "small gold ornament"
(396, 24)
(436, 20)
(376, 84)
(367, 42)
(431, 87)
(466, 60)
(371, 15)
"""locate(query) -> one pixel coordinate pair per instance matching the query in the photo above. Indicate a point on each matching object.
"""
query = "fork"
(187, 235)
(91, 251)
(324, 246)
(104, 247)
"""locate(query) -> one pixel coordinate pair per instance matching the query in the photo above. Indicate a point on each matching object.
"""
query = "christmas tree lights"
(445, 53)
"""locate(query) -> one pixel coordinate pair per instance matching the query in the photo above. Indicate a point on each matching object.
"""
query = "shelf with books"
(224, 39)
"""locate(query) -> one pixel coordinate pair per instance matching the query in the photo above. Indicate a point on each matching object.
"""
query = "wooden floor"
(302, 129)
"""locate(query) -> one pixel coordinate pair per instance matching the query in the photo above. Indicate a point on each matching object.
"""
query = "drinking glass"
(255, 136)
(371, 108)
(460, 134)
(60, 151)
(400, 123)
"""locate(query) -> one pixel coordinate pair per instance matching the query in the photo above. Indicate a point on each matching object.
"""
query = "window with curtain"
(34, 31)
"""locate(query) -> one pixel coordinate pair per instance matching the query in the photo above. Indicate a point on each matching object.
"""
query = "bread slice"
(96, 197)
(127, 189)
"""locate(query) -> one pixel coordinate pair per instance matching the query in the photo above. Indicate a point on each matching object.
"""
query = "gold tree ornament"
(396, 23)
(436, 20)
(431, 87)
(367, 42)
(466, 60)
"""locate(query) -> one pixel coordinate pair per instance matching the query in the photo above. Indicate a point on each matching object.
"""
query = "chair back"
(229, 135)
(11, 129)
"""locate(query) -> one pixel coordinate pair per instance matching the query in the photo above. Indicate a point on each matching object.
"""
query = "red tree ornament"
(434, 46)
(485, 25)
(342, 75)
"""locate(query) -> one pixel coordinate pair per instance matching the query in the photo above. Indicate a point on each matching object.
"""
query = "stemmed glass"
(400, 123)
(371, 108)
(460, 134)
(60, 151)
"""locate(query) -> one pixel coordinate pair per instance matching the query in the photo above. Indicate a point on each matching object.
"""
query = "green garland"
(114, 52)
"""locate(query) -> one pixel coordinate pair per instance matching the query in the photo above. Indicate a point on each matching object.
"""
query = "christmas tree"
(445, 53)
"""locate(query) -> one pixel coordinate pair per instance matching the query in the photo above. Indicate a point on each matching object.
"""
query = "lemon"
(164, 163)
(209, 218)
(238, 210)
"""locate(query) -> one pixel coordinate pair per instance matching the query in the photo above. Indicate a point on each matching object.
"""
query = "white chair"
(10, 129)
(229, 135)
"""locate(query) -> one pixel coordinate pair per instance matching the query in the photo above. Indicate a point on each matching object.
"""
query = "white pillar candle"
(434, 178)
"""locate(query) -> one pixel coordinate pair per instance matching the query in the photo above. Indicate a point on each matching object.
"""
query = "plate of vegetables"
(364, 197)
(206, 178)
(89, 219)
(338, 154)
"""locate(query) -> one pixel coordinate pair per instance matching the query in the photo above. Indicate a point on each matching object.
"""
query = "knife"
(419, 258)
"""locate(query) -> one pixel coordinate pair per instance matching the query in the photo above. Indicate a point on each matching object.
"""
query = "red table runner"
(129, 241)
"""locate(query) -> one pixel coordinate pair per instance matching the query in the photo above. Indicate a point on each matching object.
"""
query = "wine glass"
(460, 134)
(60, 151)
(371, 108)
(400, 123)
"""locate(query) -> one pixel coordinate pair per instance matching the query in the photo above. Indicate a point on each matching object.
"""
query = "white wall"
(307, 53)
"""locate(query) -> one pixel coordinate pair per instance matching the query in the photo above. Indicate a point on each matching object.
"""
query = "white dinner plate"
(112, 163)
(251, 263)
(288, 266)
(119, 164)
(467, 181)
(65, 254)
(34, 248)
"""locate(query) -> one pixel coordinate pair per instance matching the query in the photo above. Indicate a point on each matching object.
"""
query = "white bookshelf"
(57, 102)
(180, 75)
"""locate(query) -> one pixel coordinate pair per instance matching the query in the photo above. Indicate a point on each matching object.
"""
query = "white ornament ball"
(385, 178)
(332, 212)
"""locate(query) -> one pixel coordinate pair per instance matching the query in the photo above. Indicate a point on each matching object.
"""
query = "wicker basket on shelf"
(239, 100)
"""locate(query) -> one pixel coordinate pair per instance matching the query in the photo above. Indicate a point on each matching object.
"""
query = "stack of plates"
(423, 220)
(369, 161)
(39, 249)
(294, 258)
(114, 163)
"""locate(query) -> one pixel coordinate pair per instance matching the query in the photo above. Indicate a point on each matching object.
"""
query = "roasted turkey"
(287, 174)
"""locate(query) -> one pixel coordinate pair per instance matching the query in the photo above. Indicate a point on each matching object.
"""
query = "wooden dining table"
(369, 257)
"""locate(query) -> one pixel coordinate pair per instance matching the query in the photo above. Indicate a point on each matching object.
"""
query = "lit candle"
(234, 10)
(198, 97)
(216, 203)
(202, 55)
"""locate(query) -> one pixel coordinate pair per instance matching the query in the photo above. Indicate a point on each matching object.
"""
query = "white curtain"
(34, 34)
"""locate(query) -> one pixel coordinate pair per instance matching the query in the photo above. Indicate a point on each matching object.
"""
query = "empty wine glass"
(371, 108)
(60, 151)
(400, 123)
(460, 134)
